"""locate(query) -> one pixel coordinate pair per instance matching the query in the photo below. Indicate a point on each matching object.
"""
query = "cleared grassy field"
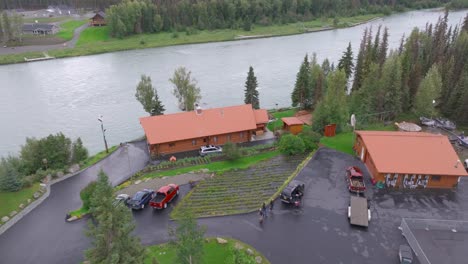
(239, 191)
(93, 34)
(67, 28)
(9, 201)
(278, 115)
(214, 253)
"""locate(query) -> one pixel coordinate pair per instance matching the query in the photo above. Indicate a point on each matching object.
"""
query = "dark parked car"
(293, 192)
(140, 199)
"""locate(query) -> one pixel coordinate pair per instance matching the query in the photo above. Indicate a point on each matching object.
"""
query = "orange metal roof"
(261, 116)
(290, 121)
(412, 153)
(188, 125)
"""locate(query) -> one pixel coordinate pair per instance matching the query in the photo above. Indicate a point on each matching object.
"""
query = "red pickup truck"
(164, 195)
(355, 180)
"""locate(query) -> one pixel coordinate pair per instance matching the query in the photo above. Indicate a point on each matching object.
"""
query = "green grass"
(96, 40)
(9, 201)
(79, 212)
(93, 34)
(218, 166)
(278, 115)
(98, 157)
(67, 28)
(214, 253)
(344, 141)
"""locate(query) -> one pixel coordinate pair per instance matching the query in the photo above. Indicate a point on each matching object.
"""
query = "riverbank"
(97, 40)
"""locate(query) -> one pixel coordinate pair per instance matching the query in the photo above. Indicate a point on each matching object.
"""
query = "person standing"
(271, 205)
(264, 210)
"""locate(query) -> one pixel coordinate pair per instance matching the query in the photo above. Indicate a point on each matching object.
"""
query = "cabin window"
(171, 145)
(241, 134)
(215, 139)
(228, 137)
(435, 178)
(194, 142)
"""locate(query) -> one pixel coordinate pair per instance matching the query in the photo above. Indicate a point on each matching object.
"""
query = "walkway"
(45, 48)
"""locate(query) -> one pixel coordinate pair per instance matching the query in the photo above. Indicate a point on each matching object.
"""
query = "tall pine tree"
(111, 230)
(251, 92)
(301, 94)
(359, 70)
(346, 62)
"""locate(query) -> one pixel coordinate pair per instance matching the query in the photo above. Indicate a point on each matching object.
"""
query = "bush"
(9, 177)
(175, 34)
(86, 194)
(231, 151)
(79, 152)
(239, 256)
(310, 138)
(291, 145)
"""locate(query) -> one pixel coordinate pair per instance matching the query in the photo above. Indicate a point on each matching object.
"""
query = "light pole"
(103, 132)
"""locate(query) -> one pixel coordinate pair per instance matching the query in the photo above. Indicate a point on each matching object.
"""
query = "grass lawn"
(344, 141)
(214, 253)
(97, 40)
(218, 166)
(96, 158)
(239, 191)
(278, 115)
(79, 212)
(9, 201)
(67, 28)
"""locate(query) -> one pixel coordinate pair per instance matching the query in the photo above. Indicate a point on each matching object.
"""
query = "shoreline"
(75, 52)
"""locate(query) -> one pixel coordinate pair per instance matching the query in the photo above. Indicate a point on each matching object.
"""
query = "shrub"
(291, 145)
(9, 177)
(310, 138)
(239, 256)
(231, 151)
(79, 152)
(175, 34)
(86, 194)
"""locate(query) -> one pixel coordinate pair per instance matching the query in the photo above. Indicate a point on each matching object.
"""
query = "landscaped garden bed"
(214, 252)
(239, 191)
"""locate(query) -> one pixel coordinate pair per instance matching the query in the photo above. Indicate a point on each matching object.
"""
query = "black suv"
(293, 192)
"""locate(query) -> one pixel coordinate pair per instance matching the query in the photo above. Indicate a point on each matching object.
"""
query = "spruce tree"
(376, 47)
(79, 152)
(391, 82)
(382, 53)
(346, 62)
(462, 109)
(359, 70)
(428, 92)
(9, 177)
(111, 230)
(465, 24)
(251, 92)
(158, 107)
(301, 94)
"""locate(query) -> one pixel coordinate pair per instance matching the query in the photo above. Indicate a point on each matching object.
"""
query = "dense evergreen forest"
(426, 76)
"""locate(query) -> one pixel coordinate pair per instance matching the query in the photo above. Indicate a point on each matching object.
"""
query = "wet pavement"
(318, 232)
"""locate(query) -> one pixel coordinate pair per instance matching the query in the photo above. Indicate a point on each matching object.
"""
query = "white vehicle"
(210, 149)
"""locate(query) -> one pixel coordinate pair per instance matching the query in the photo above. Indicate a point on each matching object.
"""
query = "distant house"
(40, 29)
(99, 19)
(409, 159)
(185, 131)
(292, 124)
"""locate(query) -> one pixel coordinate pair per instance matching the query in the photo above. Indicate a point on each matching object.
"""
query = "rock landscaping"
(239, 191)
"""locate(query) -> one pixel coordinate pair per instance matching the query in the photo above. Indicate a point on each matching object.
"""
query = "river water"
(69, 94)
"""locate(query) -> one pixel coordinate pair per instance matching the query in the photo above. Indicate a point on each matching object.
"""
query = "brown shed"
(99, 19)
(409, 159)
(292, 124)
(186, 131)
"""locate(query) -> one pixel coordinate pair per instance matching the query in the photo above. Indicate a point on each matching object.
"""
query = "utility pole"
(103, 132)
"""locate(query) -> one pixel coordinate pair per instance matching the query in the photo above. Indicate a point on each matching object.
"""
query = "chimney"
(198, 109)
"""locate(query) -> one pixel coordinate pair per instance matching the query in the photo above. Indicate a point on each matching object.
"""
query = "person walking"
(271, 205)
(260, 212)
(264, 210)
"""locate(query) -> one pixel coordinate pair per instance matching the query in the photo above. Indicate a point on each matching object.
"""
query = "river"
(69, 94)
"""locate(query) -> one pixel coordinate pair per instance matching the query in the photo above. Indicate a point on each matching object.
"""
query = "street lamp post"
(103, 132)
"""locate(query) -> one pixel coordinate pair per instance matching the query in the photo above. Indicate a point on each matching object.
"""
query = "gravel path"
(157, 183)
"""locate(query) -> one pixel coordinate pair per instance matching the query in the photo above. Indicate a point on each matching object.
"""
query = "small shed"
(99, 19)
(292, 124)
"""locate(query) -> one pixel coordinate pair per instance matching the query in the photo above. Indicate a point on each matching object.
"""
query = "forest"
(426, 76)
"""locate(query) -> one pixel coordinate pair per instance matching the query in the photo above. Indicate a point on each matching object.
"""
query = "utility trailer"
(358, 211)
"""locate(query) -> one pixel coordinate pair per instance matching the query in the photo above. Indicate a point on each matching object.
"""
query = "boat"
(408, 127)
(462, 140)
(445, 124)
(427, 121)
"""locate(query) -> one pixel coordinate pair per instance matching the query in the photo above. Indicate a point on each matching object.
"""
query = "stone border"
(38, 201)
(25, 211)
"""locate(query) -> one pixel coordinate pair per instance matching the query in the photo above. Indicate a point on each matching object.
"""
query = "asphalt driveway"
(318, 232)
